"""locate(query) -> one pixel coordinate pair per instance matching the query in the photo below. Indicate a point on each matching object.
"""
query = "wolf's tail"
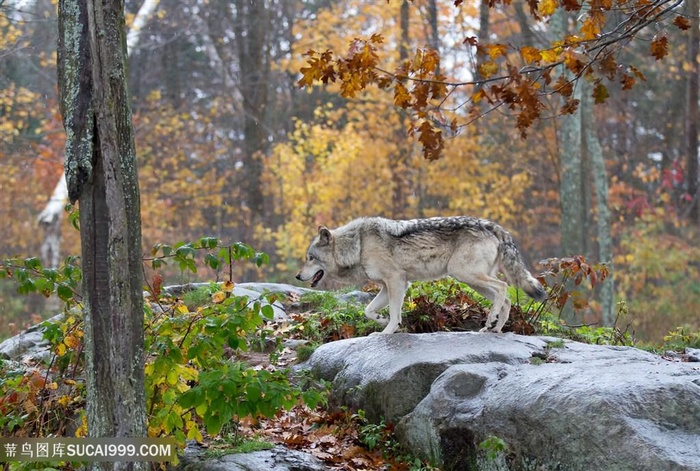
(513, 267)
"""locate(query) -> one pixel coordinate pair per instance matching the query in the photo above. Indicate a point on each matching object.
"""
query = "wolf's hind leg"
(380, 301)
(497, 292)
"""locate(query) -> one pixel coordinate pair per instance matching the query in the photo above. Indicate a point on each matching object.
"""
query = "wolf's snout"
(298, 276)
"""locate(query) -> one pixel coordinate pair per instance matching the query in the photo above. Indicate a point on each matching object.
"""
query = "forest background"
(230, 146)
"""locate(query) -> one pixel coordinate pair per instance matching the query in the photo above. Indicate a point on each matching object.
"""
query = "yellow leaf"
(63, 401)
(531, 54)
(71, 341)
(227, 286)
(61, 349)
(218, 297)
(550, 55)
(487, 69)
(547, 7)
(590, 29)
(194, 434)
(496, 50)
(401, 96)
(172, 377)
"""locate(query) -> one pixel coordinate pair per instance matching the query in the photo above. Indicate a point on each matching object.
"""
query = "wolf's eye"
(311, 258)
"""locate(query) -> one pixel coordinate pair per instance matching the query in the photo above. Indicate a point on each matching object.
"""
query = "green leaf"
(32, 263)
(213, 424)
(212, 261)
(193, 398)
(64, 292)
(268, 311)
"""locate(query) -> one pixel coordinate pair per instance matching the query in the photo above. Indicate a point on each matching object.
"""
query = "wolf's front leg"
(396, 291)
(380, 301)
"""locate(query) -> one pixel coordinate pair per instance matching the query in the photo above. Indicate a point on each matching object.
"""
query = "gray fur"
(394, 253)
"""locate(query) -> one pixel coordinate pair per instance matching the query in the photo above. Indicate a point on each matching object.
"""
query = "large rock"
(563, 406)
(276, 459)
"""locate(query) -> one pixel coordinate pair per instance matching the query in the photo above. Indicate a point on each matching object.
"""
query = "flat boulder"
(556, 405)
(278, 458)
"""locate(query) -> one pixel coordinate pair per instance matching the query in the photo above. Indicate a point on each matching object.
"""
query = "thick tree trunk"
(253, 19)
(51, 216)
(101, 173)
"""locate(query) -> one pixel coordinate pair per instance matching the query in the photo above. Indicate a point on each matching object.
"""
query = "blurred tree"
(693, 115)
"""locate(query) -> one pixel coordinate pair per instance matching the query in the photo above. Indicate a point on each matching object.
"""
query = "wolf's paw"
(490, 329)
(383, 321)
(390, 329)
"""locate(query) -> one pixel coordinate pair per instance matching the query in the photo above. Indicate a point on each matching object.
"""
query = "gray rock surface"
(575, 407)
(275, 459)
(693, 354)
(29, 345)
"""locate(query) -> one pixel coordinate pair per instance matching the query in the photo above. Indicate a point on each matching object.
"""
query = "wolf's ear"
(324, 235)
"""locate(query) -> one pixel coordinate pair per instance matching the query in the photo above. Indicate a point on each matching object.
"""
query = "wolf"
(394, 253)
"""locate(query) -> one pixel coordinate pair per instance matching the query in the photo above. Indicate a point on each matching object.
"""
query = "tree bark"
(398, 162)
(692, 112)
(600, 182)
(571, 189)
(101, 173)
(253, 19)
(484, 26)
(51, 216)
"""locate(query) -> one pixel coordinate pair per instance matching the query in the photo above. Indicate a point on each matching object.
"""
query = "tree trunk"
(484, 23)
(398, 162)
(600, 182)
(693, 114)
(51, 216)
(571, 189)
(101, 173)
(251, 37)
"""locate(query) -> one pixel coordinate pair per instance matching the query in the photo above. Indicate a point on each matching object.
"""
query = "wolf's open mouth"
(317, 277)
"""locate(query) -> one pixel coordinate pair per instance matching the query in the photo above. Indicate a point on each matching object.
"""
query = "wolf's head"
(320, 262)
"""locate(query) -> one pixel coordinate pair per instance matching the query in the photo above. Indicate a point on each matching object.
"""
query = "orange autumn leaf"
(659, 47)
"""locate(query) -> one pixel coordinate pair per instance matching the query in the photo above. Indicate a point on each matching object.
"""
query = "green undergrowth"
(195, 384)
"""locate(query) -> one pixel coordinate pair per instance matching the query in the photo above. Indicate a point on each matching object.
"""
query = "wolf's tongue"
(317, 277)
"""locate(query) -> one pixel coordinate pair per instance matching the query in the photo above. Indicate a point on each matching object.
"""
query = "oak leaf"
(547, 7)
(600, 93)
(496, 50)
(590, 29)
(682, 22)
(570, 107)
(571, 5)
(432, 141)
(564, 86)
(487, 69)
(550, 55)
(572, 62)
(659, 47)
(401, 96)
(530, 54)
